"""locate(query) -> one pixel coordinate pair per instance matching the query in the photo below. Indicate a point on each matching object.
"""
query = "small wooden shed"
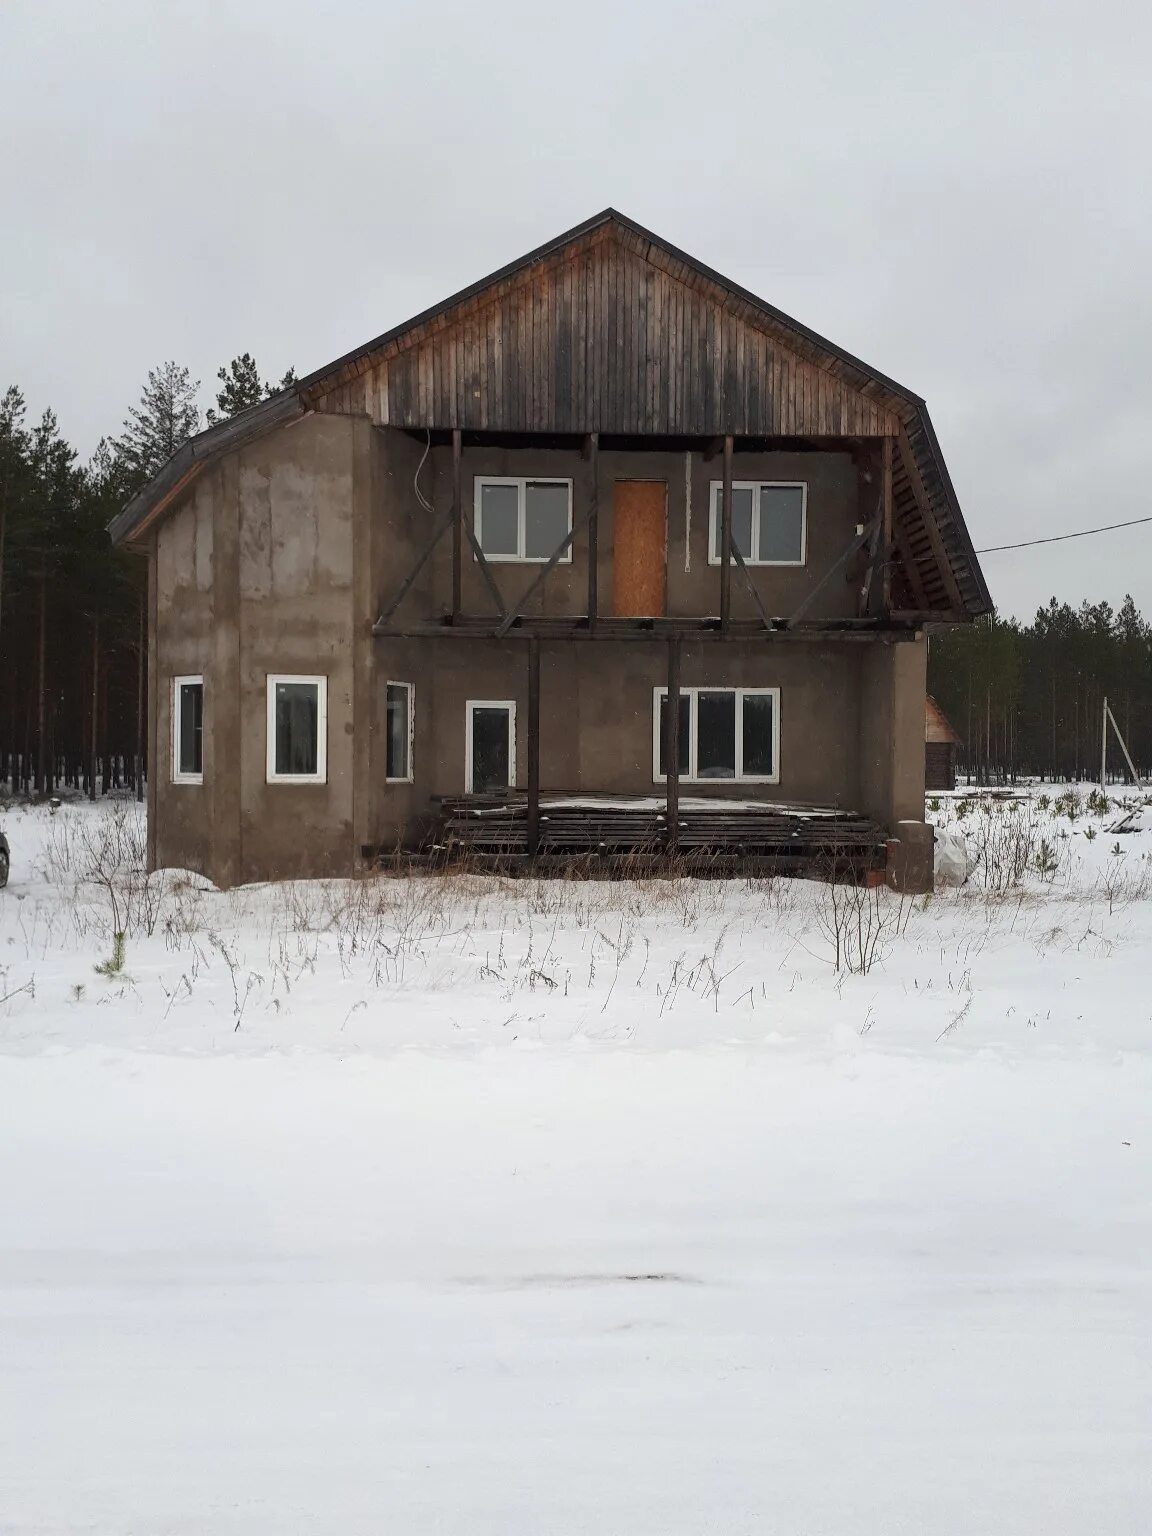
(940, 743)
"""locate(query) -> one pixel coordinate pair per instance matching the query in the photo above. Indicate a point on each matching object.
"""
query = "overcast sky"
(959, 194)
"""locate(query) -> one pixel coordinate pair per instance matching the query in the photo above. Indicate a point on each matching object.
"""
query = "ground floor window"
(398, 730)
(490, 750)
(297, 729)
(724, 733)
(188, 730)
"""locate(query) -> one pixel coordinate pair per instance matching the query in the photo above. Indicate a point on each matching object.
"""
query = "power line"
(1058, 538)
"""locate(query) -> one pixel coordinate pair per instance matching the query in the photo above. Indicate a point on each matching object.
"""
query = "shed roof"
(937, 726)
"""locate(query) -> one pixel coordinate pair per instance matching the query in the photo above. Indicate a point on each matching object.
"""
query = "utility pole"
(1103, 743)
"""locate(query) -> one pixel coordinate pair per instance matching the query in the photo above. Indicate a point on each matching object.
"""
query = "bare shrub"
(860, 922)
(1006, 841)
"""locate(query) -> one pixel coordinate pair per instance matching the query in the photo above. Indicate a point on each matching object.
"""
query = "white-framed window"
(399, 722)
(724, 733)
(297, 729)
(187, 730)
(523, 519)
(489, 745)
(769, 521)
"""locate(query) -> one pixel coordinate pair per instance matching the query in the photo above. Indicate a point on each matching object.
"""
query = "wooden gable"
(607, 333)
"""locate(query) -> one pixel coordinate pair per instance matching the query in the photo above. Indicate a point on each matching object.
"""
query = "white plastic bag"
(950, 858)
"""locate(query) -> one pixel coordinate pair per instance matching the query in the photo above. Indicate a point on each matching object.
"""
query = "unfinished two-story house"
(603, 553)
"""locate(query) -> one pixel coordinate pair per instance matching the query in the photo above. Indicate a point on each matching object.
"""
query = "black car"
(4, 860)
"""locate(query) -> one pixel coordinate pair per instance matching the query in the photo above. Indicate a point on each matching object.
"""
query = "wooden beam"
(751, 585)
(485, 569)
(885, 593)
(533, 746)
(457, 526)
(921, 616)
(726, 537)
(903, 626)
(141, 638)
(593, 455)
(919, 491)
(421, 561)
(557, 554)
(857, 543)
(869, 600)
(909, 566)
(672, 748)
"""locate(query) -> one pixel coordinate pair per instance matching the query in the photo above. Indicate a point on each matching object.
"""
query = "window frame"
(320, 681)
(716, 491)
(470, 708)
(691, 777)
(188, 679)
(410, 689)
(521, 482)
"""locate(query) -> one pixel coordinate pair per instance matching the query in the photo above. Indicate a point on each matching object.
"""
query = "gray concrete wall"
(185, 645)
(280, 558)
(266, 568)
(891, 745)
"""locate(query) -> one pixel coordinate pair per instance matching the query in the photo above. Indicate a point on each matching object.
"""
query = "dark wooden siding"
(613, 336)
(939, 765)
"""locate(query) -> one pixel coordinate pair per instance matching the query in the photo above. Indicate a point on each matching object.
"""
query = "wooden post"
(1103, 743)
(457, 527)
(672, 748)
(95, 708)
(726, 537)
(886, 525)
(593, 521)
(140, 703)
(533, 747)
(1123, 744)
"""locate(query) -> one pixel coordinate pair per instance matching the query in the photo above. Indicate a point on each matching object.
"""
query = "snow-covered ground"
(460, 1205)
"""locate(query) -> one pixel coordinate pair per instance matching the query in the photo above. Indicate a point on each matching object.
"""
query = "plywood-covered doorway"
(640, 542)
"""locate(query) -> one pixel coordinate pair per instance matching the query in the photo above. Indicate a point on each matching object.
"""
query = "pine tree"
(14, 467)
(241, 388)
(166, 418)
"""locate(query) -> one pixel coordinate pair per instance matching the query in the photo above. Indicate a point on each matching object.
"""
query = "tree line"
(72, 607)
(1028, 699)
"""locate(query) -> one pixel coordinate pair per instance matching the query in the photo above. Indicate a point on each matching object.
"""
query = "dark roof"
(221, 439)
(199, 451)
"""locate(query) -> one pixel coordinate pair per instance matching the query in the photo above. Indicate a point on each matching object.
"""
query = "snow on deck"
(657, 803)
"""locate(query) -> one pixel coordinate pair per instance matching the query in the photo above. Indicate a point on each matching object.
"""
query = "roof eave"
(195, 455)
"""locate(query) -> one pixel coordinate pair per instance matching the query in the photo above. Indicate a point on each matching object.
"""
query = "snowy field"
(468, 1206)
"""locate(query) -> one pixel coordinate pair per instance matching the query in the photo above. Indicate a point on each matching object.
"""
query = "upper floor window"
(523, 519)
(297, 730)
(769, 521)
(187, 730)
